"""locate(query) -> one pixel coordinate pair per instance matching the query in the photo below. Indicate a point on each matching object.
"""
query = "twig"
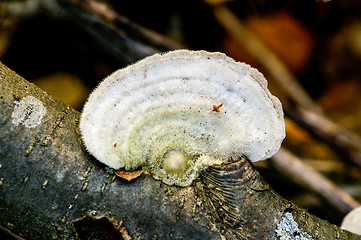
(148, 36)
(301, 173)
(334, 130)
(344, 142)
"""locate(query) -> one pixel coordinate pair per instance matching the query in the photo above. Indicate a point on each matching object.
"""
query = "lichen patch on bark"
(29, 112)
(288, 229)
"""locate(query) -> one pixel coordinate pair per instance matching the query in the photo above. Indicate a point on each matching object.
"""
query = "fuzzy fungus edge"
(180, 112)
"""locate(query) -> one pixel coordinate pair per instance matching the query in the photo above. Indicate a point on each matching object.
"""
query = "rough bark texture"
(50, 188)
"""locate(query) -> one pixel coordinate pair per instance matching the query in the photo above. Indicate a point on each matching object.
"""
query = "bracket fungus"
(177, 113)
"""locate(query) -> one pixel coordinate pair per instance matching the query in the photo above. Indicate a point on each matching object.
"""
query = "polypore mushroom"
(180, 112)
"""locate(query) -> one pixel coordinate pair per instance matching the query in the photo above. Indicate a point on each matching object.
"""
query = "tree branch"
(51, 188)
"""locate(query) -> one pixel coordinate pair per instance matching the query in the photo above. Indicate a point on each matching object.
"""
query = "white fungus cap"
(167, 107)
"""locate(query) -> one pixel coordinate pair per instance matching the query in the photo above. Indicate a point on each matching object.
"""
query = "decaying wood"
(49, 185)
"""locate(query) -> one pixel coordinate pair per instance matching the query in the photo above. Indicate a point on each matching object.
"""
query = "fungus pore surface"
(180, 112)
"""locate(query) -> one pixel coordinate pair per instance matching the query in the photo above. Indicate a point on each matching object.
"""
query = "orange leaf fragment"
(128, 175)
(216, 108)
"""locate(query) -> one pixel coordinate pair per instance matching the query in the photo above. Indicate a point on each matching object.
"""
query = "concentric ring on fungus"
(159, 114)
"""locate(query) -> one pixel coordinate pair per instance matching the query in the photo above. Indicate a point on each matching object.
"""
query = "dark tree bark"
(50, 188)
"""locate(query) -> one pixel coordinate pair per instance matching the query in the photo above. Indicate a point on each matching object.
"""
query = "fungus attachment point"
(175, 162)
(153, 112)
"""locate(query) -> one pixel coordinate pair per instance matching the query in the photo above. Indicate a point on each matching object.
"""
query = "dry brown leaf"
(128, 175)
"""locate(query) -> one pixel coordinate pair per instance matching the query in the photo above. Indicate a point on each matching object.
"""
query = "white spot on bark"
(59, 177)
(29, 112)
(45, 183)
(288, 229)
